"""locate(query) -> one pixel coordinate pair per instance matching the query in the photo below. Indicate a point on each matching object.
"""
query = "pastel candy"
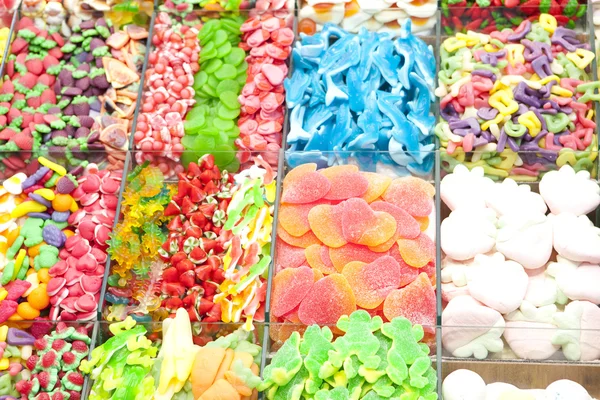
(493, 391)
(483, 335)
(498, 283)
(576, 281)
(318, 258)
(329, 299)
(417, 252)
(415, 302)
(351, 252)
(373, 282)
(406, 226)
(530, 340)
(542, 289)
(579, 331)
(508, 197)
(290, 287)
(362, 225)
(346, 182)
(576, 238)
(525, 237)
(307, 188)
(464, 384)
(565, 388)
(412, 194)
(466, 233)
(455, 272)
(529, 313)
(326, 222)
(568, 192)
(465, 189)
(378, 183)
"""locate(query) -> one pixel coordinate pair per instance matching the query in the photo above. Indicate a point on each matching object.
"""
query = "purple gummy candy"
(60, 216)
(39, 215)
(53, 236)
(17, 337)
(32, 180)
(40, 199)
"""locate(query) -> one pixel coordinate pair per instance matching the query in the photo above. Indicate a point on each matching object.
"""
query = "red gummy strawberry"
(55, 52)
(48, 96)
(188, 279)
(74, 395)
(58, 344)
(197, 255)
(193, 170)
(23, 140)
(193, 231)
(44, 379)
(61, 327)
(35, 66)
(197, 194)
(184, 266)
(177, 257)
(47, 80)
(198, 218)
(68, 358)
(175, 225)
(40, 344)
(24, 387)
(187, 206)
(173, 289)
(49, 360)
(32, 362)
(7, 87)
(58, 396)
(170, 275)
(34, 102)
(43, 396)
(58, 39)
(49, 61)
(173, 303)
(172, 209)
(75, 378)
(28, 80)
(79, 346)
(18, 45)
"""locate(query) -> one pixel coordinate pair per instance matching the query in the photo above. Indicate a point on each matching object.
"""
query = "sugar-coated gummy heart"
(346, 182)
(372, 282)
(362, 225)
(412, 194)
(294, 218)
(326, 221)
(329, 299)
(378, 184)
(409, 274)
(303, 241)
(351, 252)
(306, 188)
(288, 256)
(416, 302)
(406, 226)
(417, 252)
(314, 256)
(290, 287)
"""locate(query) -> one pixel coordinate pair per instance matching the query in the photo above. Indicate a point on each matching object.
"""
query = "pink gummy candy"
(413, 195)
(290, 287)
(372, 282)
(346, 182)
(406, 226)
(327, 301)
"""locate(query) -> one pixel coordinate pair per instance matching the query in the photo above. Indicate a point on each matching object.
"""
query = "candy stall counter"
(530, 88)
(519, 262)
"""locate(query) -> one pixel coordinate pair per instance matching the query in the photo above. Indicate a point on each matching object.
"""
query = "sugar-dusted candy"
(373, 282)
(351, 252)
(288, 256)
(412, 194)
(294, 218)
(329, 299)
(417, 252)
(326, 221)
(362, 225)
(346, 182)
(406, 226)
(378, 183)
(308, 239)
(290, 287)
(307, 188)
(416, 302)
(318, 258)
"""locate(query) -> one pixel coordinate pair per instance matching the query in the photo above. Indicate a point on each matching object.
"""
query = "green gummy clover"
(338, 393)
(315, 348)
(358, 339)
(293, 389)
(285, 364)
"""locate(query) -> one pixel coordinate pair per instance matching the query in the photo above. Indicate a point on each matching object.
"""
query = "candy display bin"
(531, 378)
(472, 130)
(510, 288)
(336, 235)
(69, 344)
(202, 333)
(165, 217)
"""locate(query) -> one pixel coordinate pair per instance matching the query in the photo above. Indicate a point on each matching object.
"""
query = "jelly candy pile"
(363, 92)
(370, 360)
(129, 365)
(523, 90)
(17, 348)
(350, 239)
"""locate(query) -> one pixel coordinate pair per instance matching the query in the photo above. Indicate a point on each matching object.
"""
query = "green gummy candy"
(293, 389)
(198, 143)
(229, 98)
(200, 79)
(224, 154)
(23, 271)
(226, 113)
(34, 240)
(7, 273)
(213, 65)
(358, 339)
(228, 85)
(223, 124)
(315, 348)
(235, 57)
(14, 248)
(405, 348)
(192, 127)
(219, 37)
(213, 82)
(285, 364)
(227, 71)
(338, 393)
(224, 49)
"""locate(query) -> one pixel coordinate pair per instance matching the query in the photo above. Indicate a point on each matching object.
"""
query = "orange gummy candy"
(290, 286)
(295, 175)
(417, 252)
(406, 226)
(378, 183)
(409, 274)
(294, 218)
(303, 241)
(372, 282)
(313, 256)
(423, 223)
(346, 182)
(352, 252)
(413, 195)
(328, 300)
(326, 223)
(416, 302)
(362, 225)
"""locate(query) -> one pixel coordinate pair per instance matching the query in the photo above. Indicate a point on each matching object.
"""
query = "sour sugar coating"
(525, 90)
(363, 92)
(267, 38)
(369, 360)
(363, 253)
(168, 94)
(377, 16)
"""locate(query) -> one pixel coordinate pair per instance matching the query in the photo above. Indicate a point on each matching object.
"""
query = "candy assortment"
(363, 92)
(500, 275)
(524, 90)
(349, 239)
